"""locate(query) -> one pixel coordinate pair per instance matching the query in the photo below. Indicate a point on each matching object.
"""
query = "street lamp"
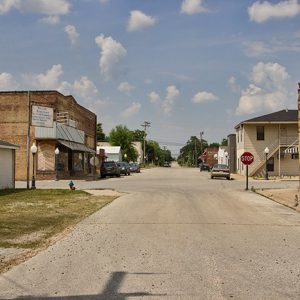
(125, 157)
(56, 151)
(266, 153)
(33, 150)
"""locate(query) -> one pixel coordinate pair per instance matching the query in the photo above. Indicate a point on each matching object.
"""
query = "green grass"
(30, 218)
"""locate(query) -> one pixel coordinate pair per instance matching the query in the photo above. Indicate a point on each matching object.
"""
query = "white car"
(220, 170)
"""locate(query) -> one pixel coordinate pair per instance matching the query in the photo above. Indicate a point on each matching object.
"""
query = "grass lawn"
(30, 218)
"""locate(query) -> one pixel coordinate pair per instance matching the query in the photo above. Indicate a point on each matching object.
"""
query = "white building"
(223, 156)
(7, 163)
(112, 153)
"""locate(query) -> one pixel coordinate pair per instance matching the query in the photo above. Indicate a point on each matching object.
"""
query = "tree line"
(189, 154)
(125, 138)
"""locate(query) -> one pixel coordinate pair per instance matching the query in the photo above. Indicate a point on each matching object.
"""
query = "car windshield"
(109, 164)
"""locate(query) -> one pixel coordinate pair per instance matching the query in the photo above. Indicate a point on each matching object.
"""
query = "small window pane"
(260, 133)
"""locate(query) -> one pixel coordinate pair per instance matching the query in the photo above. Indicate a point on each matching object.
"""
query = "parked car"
(124, 167)
(109, 168)
(204, 167)
(220, 170)
(167, 164)
(134, 168)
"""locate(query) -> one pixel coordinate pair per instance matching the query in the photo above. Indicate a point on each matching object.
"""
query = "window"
(295, 155)
(260, 133)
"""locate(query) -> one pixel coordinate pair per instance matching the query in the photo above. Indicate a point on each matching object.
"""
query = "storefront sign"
(42, 116)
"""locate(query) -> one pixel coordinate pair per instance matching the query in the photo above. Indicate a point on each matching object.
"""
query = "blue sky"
(184, 65)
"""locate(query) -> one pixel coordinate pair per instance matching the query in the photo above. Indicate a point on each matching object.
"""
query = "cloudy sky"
(184, 65)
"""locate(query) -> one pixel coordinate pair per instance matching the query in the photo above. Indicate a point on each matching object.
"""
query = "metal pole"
(33, 177)
(247, 181)
(56, 169)
(28, 141)
(266, 175)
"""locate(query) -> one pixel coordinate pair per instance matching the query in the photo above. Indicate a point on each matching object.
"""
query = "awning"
(76, 147)
(294, 149)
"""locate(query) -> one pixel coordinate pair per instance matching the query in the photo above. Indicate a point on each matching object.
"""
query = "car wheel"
(228, 178)
(211, 177)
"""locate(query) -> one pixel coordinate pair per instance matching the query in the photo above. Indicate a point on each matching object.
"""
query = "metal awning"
(292, 150)
(76, 147)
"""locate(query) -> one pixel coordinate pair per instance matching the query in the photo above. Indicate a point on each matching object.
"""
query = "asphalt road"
(177, 234)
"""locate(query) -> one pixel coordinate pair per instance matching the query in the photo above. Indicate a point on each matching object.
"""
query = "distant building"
(137, 146)
(209, 156)
(112, 153)
(278, 132)
(223, 156)
(7, 163)
(52, 121)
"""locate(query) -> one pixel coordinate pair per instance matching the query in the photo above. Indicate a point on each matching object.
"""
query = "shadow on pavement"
(110, 291)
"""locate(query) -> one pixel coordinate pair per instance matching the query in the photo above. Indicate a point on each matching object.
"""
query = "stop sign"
(247, 158)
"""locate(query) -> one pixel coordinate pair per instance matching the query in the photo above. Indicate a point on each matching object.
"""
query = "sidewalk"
(287, 197)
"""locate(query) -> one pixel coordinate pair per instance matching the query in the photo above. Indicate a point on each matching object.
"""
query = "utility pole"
(201, 133)
(145, 126)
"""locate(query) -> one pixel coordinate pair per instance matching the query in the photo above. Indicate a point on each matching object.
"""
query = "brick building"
(56, 121)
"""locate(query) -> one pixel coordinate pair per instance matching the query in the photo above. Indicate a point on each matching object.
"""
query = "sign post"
(247, 159)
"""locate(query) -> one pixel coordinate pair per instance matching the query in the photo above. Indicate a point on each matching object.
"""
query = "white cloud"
(7, 82)
(191, 7)
(52, 20)
(112, 52)
(131, 110)
(85, 90)
(7, 5)
(233, 85)
(73, 35)
(49, 80)
(267, 91)
(263, 11)
(46, 7)
(201, 97)
(154, 98)
(139, 21)
(165, 105)
(172, 95)
(262, 48)
(126, 88)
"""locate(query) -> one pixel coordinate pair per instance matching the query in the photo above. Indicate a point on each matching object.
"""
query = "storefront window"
(78, 161)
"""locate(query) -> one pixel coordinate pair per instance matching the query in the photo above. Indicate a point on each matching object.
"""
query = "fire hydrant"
(71, 185)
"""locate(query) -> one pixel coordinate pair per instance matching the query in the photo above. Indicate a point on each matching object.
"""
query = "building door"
(6, 170)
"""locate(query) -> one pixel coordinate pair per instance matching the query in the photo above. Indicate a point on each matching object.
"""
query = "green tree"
(138, 135)
(123, 137)
(100, 134)
(224, 142)
(214, 145)
(189, 154)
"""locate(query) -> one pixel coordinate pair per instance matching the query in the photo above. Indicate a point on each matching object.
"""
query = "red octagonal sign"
(247, 158)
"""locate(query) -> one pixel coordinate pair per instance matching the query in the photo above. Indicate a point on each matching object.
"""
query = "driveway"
(175, 234)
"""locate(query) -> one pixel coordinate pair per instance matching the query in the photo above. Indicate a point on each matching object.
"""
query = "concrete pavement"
(176, 234)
